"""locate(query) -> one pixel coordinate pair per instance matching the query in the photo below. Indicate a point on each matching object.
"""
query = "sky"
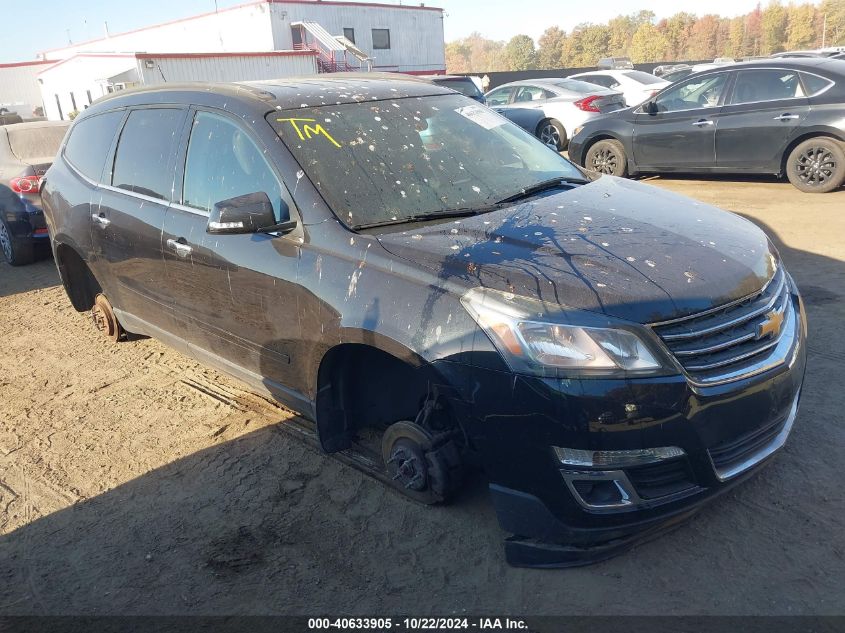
(496, 19)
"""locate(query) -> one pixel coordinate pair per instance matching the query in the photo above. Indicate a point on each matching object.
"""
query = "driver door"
(681, 134)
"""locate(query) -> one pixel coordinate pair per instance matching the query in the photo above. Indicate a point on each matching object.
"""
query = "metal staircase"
(335, 53)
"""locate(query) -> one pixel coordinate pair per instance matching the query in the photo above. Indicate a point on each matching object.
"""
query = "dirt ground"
(136, 481)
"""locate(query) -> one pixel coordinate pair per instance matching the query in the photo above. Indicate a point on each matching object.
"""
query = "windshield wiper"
(421, 217)
(544, 185)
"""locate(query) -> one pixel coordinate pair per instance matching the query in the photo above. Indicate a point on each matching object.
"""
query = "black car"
(784, 116)
(459, 83)
(434, 288)
(26, 151)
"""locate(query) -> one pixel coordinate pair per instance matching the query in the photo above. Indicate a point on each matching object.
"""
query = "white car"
(636, 85)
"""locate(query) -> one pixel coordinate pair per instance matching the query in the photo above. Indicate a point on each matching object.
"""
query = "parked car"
(636, 85)
(26, 151)
(615, 63)
(432, 287)
(552, 108)
(665, 69)
(459, 83)
(782, 116)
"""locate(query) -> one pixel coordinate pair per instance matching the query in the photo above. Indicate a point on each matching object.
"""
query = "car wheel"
(16, 252)
(607, 157)
(105, 320)
(552, 133)
(817, 165)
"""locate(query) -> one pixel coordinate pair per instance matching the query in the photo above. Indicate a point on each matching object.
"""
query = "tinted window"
(576, 85)
(381, 39)
(349, 34)
(698, 92)
(601, 80)
(36, 142)
(464, 86)
(90, 141)
(641, 77)
(222, 163)
(766, 85)
(813, 84)
(382, 161)
(499, 97)
(142, 163)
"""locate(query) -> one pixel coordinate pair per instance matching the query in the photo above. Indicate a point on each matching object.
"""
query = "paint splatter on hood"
(613, 246)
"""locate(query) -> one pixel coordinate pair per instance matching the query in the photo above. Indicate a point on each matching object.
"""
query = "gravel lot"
(135, 481)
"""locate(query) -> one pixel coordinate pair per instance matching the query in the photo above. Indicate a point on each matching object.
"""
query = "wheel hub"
(5, 242)
(408, 467)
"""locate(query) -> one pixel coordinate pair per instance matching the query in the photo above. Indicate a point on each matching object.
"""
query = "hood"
(613, 246)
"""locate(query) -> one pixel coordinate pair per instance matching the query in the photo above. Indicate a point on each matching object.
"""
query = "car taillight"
(587, 104)
(25, 184)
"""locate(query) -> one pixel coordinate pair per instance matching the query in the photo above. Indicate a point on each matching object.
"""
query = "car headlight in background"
(531, 341)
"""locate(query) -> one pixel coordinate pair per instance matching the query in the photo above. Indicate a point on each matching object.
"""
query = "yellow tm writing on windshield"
(306, 131)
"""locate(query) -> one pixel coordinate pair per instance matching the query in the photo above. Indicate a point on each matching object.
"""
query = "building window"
(349, 34)
(381, 39)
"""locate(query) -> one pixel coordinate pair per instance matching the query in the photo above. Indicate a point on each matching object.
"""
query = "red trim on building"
(36, 62)
(242, 6)
(305, 53)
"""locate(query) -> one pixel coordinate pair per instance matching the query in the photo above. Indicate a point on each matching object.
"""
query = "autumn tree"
(648, 44)
(703, 38)
(800, 31)
(551, 48)
(520, 53)
(773, 28)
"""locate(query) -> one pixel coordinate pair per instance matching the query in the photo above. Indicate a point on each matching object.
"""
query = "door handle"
(181, 248)
(786, 117)
(100, 219)
(702, 122)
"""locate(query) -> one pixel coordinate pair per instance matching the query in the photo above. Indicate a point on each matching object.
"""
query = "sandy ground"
(135, 481)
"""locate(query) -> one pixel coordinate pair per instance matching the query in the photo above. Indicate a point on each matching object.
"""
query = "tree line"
(681, 37)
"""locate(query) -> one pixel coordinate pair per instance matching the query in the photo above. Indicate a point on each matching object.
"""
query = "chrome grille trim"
(722, 344)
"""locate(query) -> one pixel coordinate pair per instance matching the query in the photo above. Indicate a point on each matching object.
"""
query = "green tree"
(551, 48)
(800, 26)
(736, 34)
(520, 53)
(773, 28)
(835, 31)
(591, 42)
(648, 44)
(676, 30)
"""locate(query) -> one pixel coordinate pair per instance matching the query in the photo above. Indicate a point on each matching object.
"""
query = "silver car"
(552, 108)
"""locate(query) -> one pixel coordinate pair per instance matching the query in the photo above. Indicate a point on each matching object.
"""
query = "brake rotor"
(104, 318)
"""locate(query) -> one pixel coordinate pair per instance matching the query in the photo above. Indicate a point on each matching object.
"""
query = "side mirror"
(250, 213)
(650, 107)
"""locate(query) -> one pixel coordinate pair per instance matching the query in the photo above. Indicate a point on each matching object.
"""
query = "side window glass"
(530, 93)
(700, 92)
(813, 84)
(144, 150)
(222, 163)
(499, 97)
(90, 141)
(766, 85)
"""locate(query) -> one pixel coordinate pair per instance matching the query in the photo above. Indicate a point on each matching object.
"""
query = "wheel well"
(80, 284)
(796, 142)
(359, 386)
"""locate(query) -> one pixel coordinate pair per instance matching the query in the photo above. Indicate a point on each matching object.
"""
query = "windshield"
(464, 86)
(36, 142)
(643, 78)
(385, 161)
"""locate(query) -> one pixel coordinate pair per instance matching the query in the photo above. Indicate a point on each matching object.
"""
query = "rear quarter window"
(813, 84)
(89, 142)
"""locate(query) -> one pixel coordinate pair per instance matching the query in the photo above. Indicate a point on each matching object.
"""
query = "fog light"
(615, 459)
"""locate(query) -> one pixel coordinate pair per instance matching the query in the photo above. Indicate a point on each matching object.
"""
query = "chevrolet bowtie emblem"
(771, 326)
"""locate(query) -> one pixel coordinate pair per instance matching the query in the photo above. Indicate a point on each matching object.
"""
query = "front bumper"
(727, 432)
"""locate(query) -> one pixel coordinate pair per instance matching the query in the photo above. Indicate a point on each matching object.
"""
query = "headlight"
(533, 339)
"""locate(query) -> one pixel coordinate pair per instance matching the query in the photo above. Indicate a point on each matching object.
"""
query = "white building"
(262, 39)
(19, 90)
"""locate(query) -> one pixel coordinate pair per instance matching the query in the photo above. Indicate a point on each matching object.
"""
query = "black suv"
(433, 288)
(773, 116)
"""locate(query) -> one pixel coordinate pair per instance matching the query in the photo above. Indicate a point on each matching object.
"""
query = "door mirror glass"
(249, 213)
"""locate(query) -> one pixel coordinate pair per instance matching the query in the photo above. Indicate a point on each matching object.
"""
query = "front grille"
(727, 340)
(660, 479)
(732, 452)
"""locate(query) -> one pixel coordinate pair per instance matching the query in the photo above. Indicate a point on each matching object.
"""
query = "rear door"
(128, 214)
(764, 112)
(234, 295)
(682, 133)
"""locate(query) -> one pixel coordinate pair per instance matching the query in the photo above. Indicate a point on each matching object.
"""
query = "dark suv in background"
(773, 116)
(433, 287)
